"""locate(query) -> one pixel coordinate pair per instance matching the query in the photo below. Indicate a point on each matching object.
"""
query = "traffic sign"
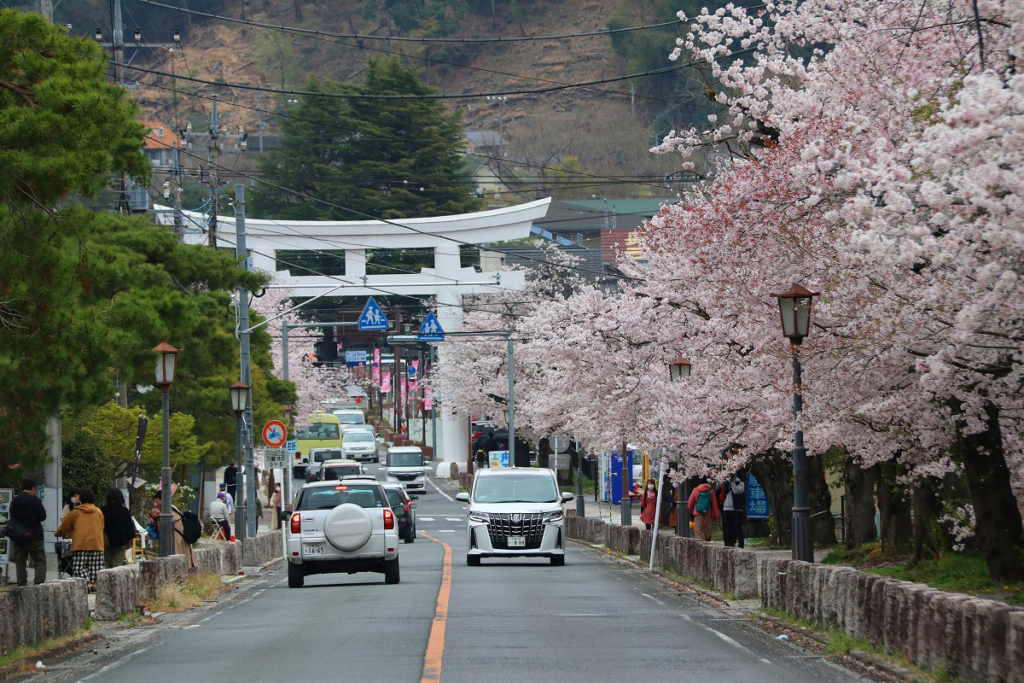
(372, 319)
(292, 445)
(430, 330)
(559, 443)
(412, 371)
(275, 433)
(275, 458)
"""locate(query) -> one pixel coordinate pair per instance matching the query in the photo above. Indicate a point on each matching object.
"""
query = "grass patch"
(176, 597)
(954, 572)
(31, 653)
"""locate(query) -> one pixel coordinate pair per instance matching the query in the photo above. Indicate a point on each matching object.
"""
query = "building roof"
(160, 136)
(485, 138)
(594, 215)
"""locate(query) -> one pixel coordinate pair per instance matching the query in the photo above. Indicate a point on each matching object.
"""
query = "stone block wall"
(117, 591)
(261, 549)
(728, 570)
(31, 614)
(970, 638)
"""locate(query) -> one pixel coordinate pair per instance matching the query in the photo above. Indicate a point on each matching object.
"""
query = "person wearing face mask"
(71, 504)
(649, 504)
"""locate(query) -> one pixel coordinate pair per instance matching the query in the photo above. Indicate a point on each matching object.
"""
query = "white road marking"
(454, 519)
(653, 598)
(114, 665)
(440, 491)
(426, 519)
(727, 639)
(446, 531)
(686, 616)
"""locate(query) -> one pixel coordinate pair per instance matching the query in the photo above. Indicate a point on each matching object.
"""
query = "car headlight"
(553, 517)
(479, 517)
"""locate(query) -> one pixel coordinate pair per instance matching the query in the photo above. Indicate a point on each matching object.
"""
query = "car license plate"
(314, 549)
(516, 541)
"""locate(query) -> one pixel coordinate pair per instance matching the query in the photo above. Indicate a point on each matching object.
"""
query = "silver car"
(515, 512)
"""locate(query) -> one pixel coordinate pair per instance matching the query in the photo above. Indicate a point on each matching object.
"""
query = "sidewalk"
(601, 510)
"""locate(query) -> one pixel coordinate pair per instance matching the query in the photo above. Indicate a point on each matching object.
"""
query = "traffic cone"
(232, 538)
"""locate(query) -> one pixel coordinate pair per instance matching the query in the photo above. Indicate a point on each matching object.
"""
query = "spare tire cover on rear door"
(348, 527)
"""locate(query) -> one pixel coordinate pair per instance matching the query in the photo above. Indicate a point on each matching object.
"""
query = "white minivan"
(515, 512)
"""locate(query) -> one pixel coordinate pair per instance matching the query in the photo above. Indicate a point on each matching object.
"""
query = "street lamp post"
(795, 309)
(240, 401)
(680, 369)
(166, 367)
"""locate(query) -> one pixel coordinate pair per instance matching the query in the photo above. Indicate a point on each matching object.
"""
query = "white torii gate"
(448, 281)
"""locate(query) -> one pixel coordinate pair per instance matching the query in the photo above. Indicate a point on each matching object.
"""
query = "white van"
(349, 416)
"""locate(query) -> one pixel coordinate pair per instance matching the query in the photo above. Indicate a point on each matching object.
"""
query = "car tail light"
(298, 454)
(389, 519)
(296, 523)
(406, 509)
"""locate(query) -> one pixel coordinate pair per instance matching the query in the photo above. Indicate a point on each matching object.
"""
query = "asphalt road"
(593, 620)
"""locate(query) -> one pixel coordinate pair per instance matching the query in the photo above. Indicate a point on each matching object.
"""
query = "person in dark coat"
(733, 499)
(230, 479)
(28, 511)
(118, 528)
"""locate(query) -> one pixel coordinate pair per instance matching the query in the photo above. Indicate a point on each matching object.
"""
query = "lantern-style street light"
(241, 395)
(795, 309)
(166, 370)
(680, 369)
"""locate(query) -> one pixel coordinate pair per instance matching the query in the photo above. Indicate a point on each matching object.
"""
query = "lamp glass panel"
(160, 373)
(803, 315)
(786, 308)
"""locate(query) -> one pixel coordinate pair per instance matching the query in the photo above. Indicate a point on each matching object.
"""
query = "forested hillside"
(603, 129)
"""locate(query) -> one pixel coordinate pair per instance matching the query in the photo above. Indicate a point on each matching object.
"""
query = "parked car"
(515, 511)
(336, 470)
(342, 527)
(405, 511)
(317, 457)
(404, 466)
(359, 444)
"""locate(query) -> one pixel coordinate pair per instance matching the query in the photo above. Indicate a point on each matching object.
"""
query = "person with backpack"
(25, 531)
(733, 496)
(704, 510)
(84, 526)
(187, 529)
(118, 528)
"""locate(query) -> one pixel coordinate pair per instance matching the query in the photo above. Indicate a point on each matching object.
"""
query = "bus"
(321, 430)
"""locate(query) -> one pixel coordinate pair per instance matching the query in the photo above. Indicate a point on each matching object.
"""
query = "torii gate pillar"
(454, 427)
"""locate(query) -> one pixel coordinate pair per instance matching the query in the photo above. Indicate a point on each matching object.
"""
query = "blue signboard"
(372, 319)
(430, 330)
(757, 500)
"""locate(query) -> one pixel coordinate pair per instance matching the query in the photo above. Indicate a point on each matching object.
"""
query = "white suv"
(404, 465)
(515, 512)
(342, 527)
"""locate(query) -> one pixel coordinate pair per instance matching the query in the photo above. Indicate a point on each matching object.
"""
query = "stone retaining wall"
(256, 552)
(969, 638)
(728, 570)
(31, 614)
(117, 591)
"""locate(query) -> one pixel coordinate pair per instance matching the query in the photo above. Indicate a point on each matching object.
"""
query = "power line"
(426, 96)
(388, 221)
(361, 36)
(478, 155)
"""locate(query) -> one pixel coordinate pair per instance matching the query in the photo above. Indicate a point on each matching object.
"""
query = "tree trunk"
(298, 9)
(774, 471)
(926, 505)
(893, 507)
(543, 454)
(1000, 531)
(823, 523)
(860, 504)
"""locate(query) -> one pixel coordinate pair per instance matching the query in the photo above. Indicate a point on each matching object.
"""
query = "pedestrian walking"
(181, 546)
(704, 510)
(649, 504)
(221, 516)
(275, 502)
(230, 480)
(25, 532)
(229, 499)
(84, 526)
(734, 509)
(118, 529)
(69, 506)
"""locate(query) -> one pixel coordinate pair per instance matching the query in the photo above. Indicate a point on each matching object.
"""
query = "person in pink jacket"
(704, 510)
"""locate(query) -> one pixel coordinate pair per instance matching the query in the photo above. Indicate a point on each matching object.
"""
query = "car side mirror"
(463, 496)
(412, 506)
(566, 497)
(285, 514)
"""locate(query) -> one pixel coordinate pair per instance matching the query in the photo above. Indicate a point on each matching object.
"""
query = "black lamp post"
(166, 368)
(240, 398)
(795, 308)
(680, 369)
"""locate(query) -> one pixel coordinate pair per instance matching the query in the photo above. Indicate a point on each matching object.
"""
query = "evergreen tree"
(382, 158)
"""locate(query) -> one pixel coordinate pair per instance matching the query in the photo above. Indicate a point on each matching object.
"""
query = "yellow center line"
(435, 644)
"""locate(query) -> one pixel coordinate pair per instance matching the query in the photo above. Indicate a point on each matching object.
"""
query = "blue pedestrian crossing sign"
(430, 330)
(372, 319)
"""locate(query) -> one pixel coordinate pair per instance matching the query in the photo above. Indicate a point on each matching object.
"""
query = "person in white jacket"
(219, 514)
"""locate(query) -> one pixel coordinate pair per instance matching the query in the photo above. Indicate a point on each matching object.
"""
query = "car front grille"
(529, 525)
(406, 477)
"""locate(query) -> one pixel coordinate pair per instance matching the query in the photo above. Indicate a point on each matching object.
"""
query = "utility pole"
(259, 113)
(46, 9)
(511, 405)
(246, 361)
